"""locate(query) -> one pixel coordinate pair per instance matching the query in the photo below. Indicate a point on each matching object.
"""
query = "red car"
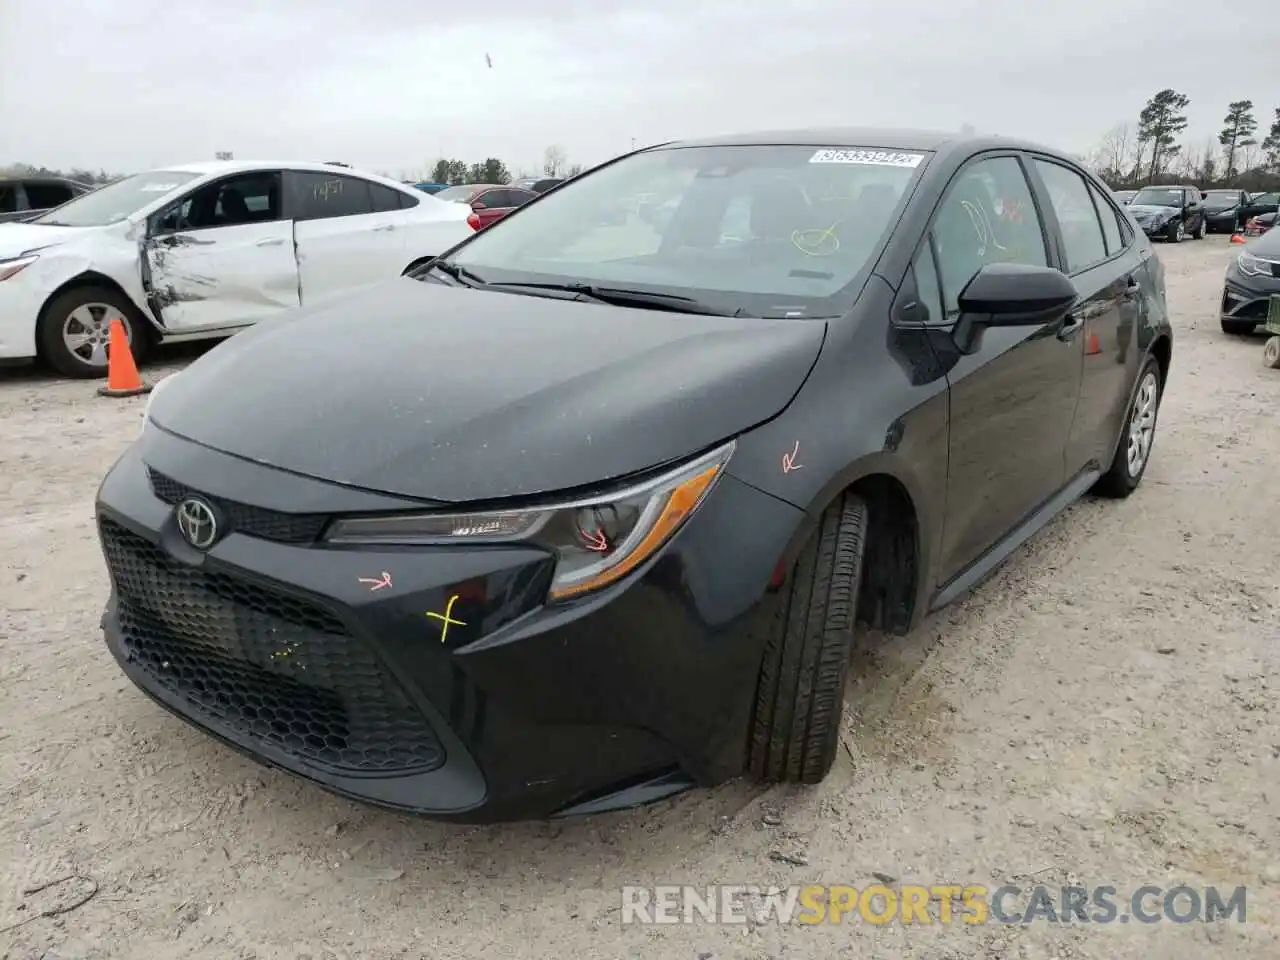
(1259, 225)
(488, 201)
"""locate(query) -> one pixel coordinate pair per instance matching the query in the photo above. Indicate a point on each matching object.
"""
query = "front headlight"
(596, 541)
(1252, 266)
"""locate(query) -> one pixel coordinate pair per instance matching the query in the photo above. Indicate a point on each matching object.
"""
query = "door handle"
(270, 242)
(1072, 324)
(385, 227)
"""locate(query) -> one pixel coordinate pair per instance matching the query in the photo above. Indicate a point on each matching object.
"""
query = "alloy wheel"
(87, 330)
(1142, 423)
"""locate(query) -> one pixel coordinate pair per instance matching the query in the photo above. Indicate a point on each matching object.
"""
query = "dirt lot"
(1102, 712)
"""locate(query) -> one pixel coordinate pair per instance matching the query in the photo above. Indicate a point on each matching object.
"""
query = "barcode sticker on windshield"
(876, 158)
(157, 187)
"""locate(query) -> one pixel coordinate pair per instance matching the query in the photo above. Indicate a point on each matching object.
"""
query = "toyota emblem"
(197, 523)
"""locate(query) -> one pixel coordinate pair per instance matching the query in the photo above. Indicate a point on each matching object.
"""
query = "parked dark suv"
(1173, 212)
(23, 197)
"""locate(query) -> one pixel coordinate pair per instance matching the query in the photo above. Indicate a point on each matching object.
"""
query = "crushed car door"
(222, 256)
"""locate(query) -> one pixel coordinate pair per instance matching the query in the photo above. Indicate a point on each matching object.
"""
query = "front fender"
(875, 405)
(115, 257)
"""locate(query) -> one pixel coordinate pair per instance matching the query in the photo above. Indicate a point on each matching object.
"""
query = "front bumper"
(1246, 297)
(270, 642)
(1155, 229)
(21, 300)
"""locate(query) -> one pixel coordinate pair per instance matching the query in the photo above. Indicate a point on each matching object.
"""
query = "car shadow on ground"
(162, 361)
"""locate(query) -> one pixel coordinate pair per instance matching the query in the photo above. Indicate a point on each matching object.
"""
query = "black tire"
(805, 667)
(1238, 328)
(1120, 480)
(1171, 233)
(1202, 230)
(53, 348)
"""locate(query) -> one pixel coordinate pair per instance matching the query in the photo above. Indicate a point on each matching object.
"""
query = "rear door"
(1014, 396)
(222, 255)
(344, 240)
(1097, 251)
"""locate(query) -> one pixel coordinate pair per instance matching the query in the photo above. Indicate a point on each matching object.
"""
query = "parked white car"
(203, 250)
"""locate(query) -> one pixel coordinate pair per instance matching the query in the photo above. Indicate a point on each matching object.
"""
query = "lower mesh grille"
(273, 668)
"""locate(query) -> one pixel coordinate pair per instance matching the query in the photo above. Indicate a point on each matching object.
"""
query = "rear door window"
(1082, 237)
(322, 196)
(1110, 224)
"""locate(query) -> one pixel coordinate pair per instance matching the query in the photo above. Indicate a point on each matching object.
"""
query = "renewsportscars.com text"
(936, 903)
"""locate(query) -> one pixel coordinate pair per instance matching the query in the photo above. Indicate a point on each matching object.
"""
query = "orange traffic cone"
(1237, 238)
(122, 372)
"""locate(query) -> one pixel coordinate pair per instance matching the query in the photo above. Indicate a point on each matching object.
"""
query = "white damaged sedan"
(203, 250)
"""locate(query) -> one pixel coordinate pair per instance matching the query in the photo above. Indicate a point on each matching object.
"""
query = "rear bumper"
(274, 647)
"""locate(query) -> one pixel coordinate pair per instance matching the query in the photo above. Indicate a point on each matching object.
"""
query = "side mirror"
(1017, 294)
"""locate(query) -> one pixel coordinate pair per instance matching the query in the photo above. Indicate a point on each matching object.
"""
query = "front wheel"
(1271, 353)
(800, 696)
(1202, 229)
(1133, 452)
(1177, 232)
(75, 326)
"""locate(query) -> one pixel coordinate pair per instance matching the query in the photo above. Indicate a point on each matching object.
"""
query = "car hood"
(1267, 246)
(1147, 210)
(19, 238)
(450, 394)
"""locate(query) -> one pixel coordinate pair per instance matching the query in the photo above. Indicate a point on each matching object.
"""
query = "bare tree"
(1115, 155)
(553, 161)
(1249, 155)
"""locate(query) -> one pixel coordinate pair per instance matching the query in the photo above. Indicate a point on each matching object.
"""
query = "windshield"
(456, 194)
(756, 230)
(1158, 197)
(115, 201)
(1221, 201)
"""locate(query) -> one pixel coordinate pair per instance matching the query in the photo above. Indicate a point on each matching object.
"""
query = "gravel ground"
(1103, 712)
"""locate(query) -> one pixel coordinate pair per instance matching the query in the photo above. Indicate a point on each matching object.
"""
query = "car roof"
(214, 168)
(895, 138)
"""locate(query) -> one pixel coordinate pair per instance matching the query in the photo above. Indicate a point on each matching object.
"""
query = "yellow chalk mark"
(446, 618)
(817, 243)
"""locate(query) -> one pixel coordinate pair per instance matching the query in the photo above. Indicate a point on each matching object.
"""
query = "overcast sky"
(393, 84)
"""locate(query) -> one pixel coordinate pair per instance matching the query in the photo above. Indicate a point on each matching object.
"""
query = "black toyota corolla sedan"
(587, 511)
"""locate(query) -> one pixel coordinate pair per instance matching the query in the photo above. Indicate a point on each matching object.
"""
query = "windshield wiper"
(621, 297)
(461, 274)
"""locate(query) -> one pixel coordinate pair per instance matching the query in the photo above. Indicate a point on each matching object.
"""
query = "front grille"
(274, 668)
(252, 521)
